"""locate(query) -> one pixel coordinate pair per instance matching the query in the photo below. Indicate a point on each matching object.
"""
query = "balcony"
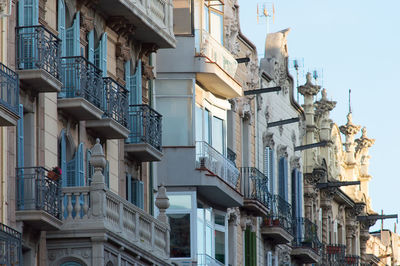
(206, 260)
(38, 198)
(152, 19)
(38, 59)
(144, 141)
(82, 93)
(277, 227)
(113, 124)
(306, 248)
(216, 67)
(352, 260)
(9, 96)
(94, 211)
(11, 247)
(254, 187)
(334, 255)
(213, 175)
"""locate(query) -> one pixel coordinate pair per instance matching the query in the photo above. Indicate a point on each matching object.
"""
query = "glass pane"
(220, 246)
(199, 123)
(218, 134)
(180, 202)
(206, 22)
(207, 126)
(182, 17)
(200, 233)
(216, 22)
(220, 219)
(209, 240)
(208, 215)
(180, 235)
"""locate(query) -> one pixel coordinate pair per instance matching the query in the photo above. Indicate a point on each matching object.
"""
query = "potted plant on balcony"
(54, 174)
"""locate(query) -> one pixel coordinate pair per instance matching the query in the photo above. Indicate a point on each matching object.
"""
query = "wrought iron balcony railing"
(254, 185)
(306, 235)
(281, 214)
(231, 155)
(9, 89)
(10, 246)
(144, 124)
(82, 79)
(37, 191)
(206, 260)
(115, 101)
(208, 158)
(38, 48)
(334, 254)
(352, 260)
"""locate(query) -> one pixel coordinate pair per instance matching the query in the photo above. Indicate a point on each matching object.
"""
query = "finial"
(324, 94)
(162, 203)
(364, 132)
(98, 161)
(349, 100)
(308, 77)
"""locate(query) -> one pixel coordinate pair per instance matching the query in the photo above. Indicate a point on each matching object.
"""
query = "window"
(218, 134)
(183, 16)
(180, 214)
(207, 126)
(199, 123)
(214, 21)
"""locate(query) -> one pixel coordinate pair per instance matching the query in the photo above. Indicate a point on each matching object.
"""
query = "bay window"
(214, 20)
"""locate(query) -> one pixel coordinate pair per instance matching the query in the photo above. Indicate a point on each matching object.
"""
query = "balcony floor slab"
(305, 255)
(276, 234)
(39, 80)
(7, 117)
(107, 128)
(39, 219)
(79, 108)
(143, 152)
(255, 207)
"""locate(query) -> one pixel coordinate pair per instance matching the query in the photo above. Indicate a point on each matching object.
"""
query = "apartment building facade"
(82, 71)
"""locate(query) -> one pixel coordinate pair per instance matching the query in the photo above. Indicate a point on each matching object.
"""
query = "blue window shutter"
(63, 159)
(80, 171)
(89, 167)
(285, 179)
(294, 193)
(300, 193)
(281, 189)
(20, 139)
(21, 16)
(71, 172)
(72, 37)
(103, 54)
(128, 185)
(61, 26)
(128, 75)
(135, 96)
(138, 187)
(91, 46)
(272, 170)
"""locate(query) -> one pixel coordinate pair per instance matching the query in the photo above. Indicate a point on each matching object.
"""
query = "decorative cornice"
(121, 26)
(349, 128)
(147, 49)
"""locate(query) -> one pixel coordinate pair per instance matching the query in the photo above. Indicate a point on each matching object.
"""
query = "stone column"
(350, 130)
(326, 205)
(234, 222)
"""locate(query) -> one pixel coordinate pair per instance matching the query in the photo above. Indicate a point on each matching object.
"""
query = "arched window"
(71, 263)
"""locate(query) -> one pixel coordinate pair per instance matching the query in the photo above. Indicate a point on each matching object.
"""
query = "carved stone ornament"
(328, 194)
(282, 151)
(358, 208)
(349, 128)
(295, 162)
(231, 27)
(311, 179)
(123, 51)
(259, 100)
(244, 109)
(280, 128)
(267, 113)
(319, 173)
(121, 26)
(247, 221)
(268, 140)
(234, 216)
(234, 104)
(148, 73)
(87, 22)
(147, 49)
(309, 88)
(364, 142)
(284, 255)
(324, 106)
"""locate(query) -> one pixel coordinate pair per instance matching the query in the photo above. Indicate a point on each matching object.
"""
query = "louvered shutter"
(247, 247)
(80, 170)
(281, 181)
(299, 193)
(20, 154)
(61, 26)
(28, 12)
(103, 43)
(138, 187)
(63, 155)
(128, 188)
(91, 46)
(21, 16)
(135, 96)
(89, 167)
(272, 171)
(72, 37)
(253, 249)
(71, 172)
(285, 179)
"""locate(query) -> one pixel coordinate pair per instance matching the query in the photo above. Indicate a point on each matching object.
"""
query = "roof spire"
(349, 101)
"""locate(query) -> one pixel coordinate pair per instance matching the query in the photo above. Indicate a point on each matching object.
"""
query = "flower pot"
(53, 175)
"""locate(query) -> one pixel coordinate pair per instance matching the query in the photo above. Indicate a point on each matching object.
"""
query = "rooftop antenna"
(298, 65)
(268, 11)
(382, 209)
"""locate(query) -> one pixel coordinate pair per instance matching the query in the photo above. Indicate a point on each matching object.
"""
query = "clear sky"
(356, 44)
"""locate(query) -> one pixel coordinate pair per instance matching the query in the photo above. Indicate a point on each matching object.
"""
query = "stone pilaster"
(327, 196)
(323, 108)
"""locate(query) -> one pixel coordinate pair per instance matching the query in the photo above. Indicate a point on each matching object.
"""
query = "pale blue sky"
(356, 43)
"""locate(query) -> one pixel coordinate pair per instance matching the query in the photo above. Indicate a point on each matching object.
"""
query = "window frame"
(191, 34)
(211, 9)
